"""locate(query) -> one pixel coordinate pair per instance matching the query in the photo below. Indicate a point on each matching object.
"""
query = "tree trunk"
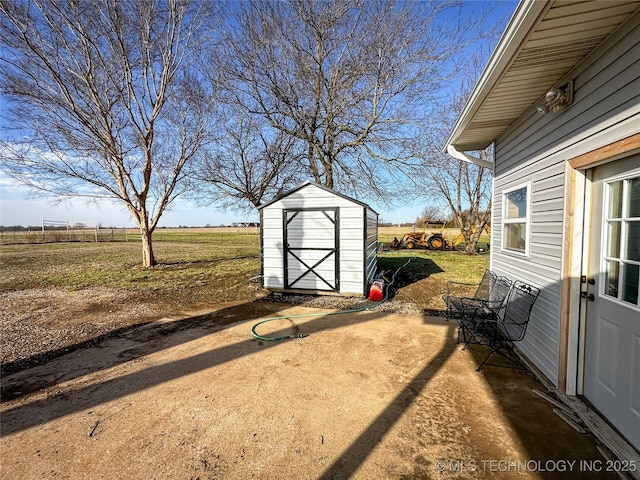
(148, 260)
(470, 245)
(471, 239)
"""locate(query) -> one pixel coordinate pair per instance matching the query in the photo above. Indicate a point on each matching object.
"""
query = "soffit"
(564, 33)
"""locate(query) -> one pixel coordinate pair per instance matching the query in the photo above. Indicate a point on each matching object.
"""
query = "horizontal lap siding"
(605, 109)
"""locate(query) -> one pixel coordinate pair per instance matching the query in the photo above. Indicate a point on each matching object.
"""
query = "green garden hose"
(341, 312)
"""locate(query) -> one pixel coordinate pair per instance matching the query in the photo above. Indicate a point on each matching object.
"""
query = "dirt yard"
(368, 395)
(108, 383)
(40, 323)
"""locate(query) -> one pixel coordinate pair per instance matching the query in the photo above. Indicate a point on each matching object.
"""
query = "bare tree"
(463, 187)
(348, 78)
(247, 163)
(109, 99)
(431, 213)
(466, 190)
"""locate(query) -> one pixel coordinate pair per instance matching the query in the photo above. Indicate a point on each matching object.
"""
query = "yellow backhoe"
(433, 241)
(460, 238)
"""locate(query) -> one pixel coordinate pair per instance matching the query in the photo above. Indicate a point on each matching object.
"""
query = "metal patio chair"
(510, 326)
(485, 303)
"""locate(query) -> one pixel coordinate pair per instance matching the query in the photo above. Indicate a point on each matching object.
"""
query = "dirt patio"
(366, 395)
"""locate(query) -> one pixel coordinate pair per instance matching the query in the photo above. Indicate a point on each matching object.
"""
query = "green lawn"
(208, 268)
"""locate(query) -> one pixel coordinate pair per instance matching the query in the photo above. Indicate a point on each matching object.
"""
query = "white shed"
(316, 240)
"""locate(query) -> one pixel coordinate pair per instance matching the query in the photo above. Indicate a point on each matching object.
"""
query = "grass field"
(213, 264)
(238, 236)
(57, 295)
(186, 260)
(117, 264)
(218, 235)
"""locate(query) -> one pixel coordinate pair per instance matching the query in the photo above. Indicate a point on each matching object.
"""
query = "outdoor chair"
(484, 304)
(509, 327)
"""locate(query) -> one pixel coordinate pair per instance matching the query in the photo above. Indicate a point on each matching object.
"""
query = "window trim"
(509, 221)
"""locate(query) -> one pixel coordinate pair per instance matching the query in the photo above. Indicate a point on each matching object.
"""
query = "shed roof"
(307, 183)
(543, 42)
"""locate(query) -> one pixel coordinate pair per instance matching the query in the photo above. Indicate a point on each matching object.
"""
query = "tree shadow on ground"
(396, 271)
(401, 271)
(151, 334)
(40, 410)
(509, 389)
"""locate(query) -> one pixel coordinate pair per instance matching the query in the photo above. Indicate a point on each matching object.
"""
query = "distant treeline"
(31, 228)
(79, 226)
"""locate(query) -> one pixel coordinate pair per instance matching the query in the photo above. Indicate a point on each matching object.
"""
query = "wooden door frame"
(576, 238)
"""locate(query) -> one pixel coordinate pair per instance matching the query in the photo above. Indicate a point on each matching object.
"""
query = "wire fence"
(84, 233)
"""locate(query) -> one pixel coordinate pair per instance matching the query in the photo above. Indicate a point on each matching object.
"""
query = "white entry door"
(612, 342)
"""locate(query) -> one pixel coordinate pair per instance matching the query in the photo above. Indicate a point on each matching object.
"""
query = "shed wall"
(352, 229)
(371, 247)
(605, 109)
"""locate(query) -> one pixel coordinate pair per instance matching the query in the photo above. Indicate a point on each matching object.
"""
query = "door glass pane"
(611, 279)
(630, 288)
(634, 197)
(613, 239)
(615, 200)
(633, 241)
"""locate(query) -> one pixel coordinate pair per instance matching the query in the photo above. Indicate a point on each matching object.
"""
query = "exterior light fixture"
(556, 98)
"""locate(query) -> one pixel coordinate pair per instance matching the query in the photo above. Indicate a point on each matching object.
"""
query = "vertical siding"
(606, 108)
(352, 269)
(272, 235)
(371, 247)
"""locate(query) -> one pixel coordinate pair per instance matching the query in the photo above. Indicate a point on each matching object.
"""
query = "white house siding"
(351, 229)
(605, 109)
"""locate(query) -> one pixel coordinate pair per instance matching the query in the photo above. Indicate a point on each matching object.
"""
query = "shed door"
(311, 249)
(612, 349)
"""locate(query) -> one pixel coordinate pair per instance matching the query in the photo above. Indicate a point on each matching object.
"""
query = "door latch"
(588, 296)
(590, 281)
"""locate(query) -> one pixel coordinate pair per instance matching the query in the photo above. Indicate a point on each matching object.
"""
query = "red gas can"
(375, 291)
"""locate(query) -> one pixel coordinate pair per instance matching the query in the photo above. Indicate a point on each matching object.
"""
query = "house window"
(515, 219)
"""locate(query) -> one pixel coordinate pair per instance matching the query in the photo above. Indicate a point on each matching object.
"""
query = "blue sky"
(18, 208)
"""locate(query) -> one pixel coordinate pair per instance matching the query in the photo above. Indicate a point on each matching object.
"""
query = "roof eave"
(524, 19)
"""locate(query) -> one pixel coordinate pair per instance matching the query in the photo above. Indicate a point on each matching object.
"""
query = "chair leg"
(484, 362)
(500, 351)
(461, 331)
(474, 335)
(471, 341)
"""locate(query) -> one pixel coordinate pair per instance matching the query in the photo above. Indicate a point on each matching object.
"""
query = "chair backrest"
(514, 318)
(486, 284)
(499, 290)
